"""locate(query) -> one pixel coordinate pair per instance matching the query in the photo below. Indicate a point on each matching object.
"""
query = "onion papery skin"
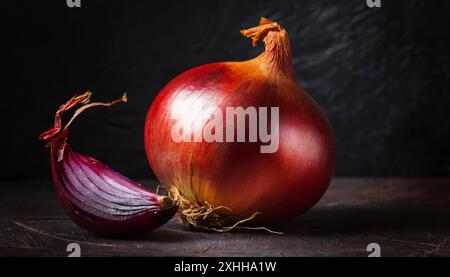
(279, 185)
(98, 198)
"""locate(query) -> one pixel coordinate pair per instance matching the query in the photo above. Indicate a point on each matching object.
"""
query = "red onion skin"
(281, 185)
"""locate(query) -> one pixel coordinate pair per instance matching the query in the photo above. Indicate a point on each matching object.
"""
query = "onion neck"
(277, 54)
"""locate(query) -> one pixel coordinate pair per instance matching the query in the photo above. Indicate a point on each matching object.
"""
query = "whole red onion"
(221, 184)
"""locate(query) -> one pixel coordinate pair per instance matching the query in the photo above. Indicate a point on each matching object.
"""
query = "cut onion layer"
(94, 196)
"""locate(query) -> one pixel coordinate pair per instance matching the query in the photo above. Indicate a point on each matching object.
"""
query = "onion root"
(207, 218)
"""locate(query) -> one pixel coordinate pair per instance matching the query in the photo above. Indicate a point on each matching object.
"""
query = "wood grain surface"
(406, 217)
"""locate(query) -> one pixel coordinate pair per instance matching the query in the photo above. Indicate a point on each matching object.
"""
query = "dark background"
(381, 75)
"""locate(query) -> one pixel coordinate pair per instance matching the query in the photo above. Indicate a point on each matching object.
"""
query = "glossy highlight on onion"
(94, 196)
(221, 185)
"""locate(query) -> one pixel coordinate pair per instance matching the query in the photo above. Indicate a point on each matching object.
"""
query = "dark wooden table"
(406, 217)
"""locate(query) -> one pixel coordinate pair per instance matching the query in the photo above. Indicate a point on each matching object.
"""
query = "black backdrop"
(381, 75)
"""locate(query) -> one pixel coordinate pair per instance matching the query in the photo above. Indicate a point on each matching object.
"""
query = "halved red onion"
(96, 197)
